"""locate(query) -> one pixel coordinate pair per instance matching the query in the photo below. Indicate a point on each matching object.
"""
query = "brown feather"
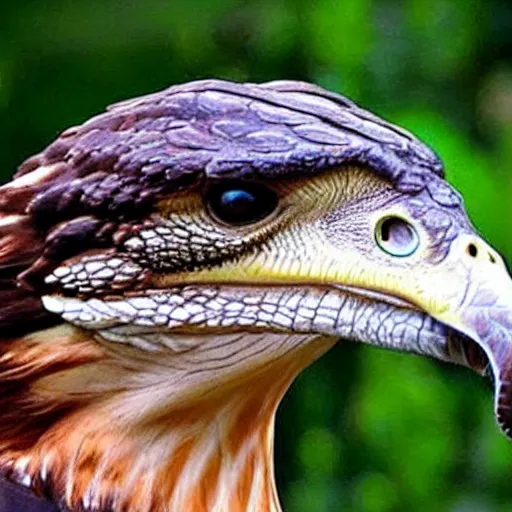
(20, 245)
(25, 414)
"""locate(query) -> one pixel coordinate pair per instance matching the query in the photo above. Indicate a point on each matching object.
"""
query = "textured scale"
(91, 186)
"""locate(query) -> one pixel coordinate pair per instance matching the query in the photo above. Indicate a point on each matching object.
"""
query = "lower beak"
(485, 316)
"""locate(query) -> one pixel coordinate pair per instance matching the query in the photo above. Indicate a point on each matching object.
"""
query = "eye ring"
(240, 203)
(396, 236)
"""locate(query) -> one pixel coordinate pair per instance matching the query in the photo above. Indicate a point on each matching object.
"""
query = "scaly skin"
(163, 338)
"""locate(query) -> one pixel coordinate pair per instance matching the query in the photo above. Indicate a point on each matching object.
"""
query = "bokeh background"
(362, 430)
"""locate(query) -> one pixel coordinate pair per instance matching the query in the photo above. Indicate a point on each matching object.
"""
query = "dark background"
(362, 430)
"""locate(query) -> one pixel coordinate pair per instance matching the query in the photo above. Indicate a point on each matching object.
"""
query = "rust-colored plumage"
(72, 433)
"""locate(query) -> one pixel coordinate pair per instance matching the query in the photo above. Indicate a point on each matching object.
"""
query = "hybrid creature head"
(168, 268)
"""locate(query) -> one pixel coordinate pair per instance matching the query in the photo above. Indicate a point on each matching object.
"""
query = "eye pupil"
(396, 236)
(384, 231)
(240, 203)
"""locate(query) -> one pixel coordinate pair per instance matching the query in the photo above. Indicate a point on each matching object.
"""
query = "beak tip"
(504, 406)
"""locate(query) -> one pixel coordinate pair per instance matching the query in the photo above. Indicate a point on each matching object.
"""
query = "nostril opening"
(492, 259)
(472, 250)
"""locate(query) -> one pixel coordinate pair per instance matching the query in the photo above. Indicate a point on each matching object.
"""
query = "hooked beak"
(485, 316)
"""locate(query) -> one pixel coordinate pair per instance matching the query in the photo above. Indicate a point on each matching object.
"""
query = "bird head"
(170, 266)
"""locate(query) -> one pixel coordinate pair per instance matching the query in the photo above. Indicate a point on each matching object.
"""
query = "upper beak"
(485, 316)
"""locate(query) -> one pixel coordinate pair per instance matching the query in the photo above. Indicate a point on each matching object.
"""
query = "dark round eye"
(396, 236)
(240, 203)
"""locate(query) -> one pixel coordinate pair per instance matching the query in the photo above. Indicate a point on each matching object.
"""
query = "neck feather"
(104, 427)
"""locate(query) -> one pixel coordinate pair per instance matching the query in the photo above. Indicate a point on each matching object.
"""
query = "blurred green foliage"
(362, 430)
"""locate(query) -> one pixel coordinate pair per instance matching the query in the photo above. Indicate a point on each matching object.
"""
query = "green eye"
(396, 236)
